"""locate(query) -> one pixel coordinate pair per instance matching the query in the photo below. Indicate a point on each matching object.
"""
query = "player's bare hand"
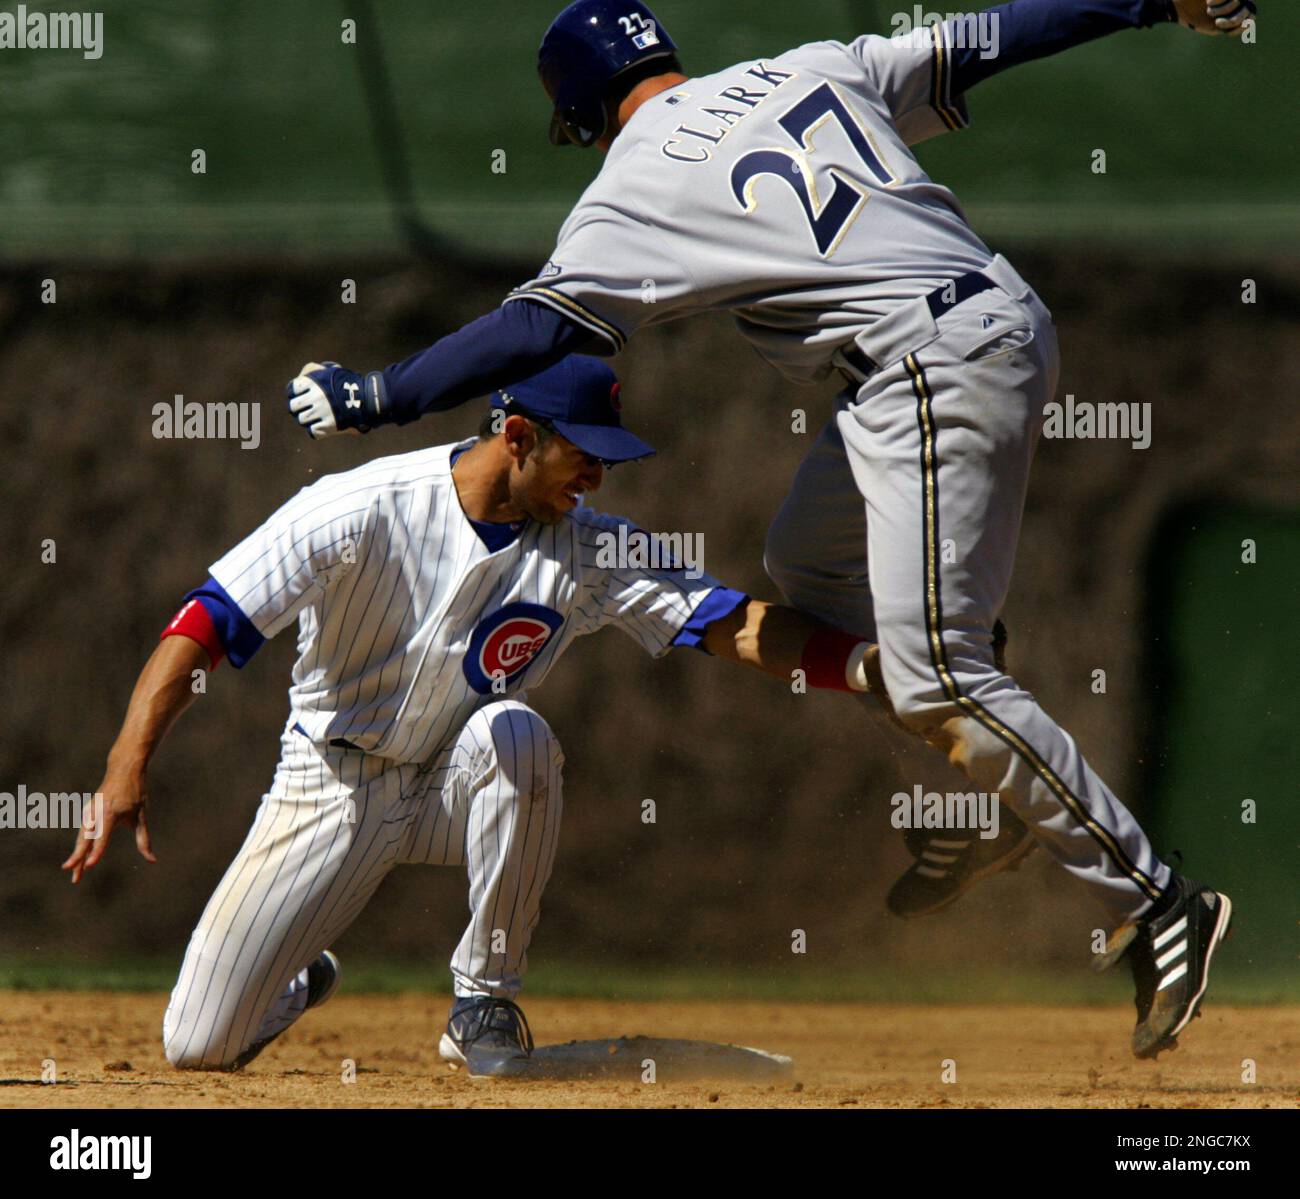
(119, 803)
(327, 399)
(1215, 16)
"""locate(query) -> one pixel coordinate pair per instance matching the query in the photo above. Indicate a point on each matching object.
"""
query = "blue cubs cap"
(578, 398)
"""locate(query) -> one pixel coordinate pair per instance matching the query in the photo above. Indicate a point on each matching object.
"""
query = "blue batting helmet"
(586, 47)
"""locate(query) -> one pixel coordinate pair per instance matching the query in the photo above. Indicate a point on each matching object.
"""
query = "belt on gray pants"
(942, 299)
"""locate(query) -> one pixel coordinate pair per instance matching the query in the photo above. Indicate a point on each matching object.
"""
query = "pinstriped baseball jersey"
(783, 190)
(407, 624)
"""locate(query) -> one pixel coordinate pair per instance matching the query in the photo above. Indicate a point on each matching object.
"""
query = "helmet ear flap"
(577, 122)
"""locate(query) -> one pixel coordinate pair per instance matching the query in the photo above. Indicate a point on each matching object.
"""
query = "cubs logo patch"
(504, 643)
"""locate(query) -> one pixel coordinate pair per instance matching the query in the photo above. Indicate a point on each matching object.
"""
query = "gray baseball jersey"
(786, 191)
(783, 190)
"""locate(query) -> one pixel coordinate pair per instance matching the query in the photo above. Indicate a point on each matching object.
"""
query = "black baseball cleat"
(484, 1033)
(1170, 950)
(949, 862)
(323, 975)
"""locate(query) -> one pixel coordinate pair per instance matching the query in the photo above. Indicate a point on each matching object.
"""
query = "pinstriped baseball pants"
(903, 521)
(327, 834)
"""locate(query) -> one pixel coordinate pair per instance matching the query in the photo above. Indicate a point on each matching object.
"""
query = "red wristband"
(193, 621)
(825, 658)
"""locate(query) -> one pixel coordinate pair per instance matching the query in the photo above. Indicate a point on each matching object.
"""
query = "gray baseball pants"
(902, 522)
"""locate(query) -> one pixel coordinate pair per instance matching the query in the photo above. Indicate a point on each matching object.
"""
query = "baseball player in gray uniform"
(431, 592)
(785, 191)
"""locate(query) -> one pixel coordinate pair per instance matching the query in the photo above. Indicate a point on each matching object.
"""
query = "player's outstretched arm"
(1032, 29)
(514, 342)
(778, 641)
(162, 692)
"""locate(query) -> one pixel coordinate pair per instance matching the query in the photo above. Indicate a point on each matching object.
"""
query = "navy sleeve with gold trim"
(924, 73)
(914, 75)
(1023, 30)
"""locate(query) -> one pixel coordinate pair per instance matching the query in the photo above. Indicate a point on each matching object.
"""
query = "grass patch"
(796, 983)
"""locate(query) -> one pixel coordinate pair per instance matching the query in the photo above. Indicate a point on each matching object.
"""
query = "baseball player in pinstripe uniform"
(431, 592)
(786, 191)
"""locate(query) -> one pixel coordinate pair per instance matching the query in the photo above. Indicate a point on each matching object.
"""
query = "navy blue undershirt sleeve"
(720, 602)
(1029, 29)
(511, 343)
(239, 636)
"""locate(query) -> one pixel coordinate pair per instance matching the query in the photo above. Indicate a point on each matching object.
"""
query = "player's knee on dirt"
(197, 1042)
(176, 1052)
(524, 746)
(189, 1060)
(187, 1051)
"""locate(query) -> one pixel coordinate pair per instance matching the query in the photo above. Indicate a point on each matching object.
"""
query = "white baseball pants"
(325, 837)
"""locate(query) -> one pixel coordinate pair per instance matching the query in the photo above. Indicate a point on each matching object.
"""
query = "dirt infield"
(106, 1053)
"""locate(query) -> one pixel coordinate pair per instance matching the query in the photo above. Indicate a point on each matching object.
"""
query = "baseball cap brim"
(609, 443)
